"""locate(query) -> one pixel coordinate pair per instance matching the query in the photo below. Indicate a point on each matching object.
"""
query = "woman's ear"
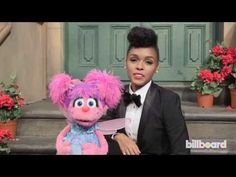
(125, 63)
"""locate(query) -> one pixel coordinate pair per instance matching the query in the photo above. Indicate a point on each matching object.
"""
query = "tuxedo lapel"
(122, 107)
(149, 102)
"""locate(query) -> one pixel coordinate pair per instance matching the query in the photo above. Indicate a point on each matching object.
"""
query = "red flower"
(223, 60)
(232, 51)
(220, 65)
(5, 135)
(20, 101)
(218, 77)
(227, 59)
(206, 76)
(229, 108)
(226, 70)
(11, 102)
(217, 50)
(6, 101)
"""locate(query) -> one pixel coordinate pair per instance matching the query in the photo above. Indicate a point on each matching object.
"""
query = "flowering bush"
(233, 83)
(11, 102)
(5, 136)
(219, 66)
(233, 72)
(207, 82)
(221, 60)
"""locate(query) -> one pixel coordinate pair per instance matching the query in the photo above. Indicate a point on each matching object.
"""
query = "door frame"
(217, 37)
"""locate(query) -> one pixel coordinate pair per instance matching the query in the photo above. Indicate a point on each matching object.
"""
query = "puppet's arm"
(103, 149)
(63, 147)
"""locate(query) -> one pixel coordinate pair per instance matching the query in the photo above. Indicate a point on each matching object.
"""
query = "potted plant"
(214, 77)
(232, 85)
(207, 85)
(221, 59)
(11, 103)
(5, 136)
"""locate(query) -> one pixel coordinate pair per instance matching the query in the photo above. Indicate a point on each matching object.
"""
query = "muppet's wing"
(111, 126)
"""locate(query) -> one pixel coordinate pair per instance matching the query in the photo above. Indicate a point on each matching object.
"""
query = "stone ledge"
(42, 109)
(46, 110)
(30, 145)
(33, 145)
(230, 150)
(210, 123)
(217, 113)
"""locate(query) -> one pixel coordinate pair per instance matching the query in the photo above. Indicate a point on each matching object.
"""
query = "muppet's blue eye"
(79, 102)
(91, 102)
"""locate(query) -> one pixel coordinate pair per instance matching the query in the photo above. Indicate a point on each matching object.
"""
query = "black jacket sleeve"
(175, 125)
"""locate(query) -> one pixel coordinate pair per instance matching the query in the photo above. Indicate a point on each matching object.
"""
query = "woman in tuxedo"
(154, 120)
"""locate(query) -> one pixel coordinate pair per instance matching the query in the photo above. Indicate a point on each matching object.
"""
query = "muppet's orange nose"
(85, 109)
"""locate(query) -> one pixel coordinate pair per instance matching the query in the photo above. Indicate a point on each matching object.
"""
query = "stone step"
(188, 95)
(45, 145)
(42, 121)
(230, 150)
(33, 145)
(46, 110)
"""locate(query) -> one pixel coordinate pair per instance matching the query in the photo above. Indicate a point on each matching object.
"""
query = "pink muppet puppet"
(84, 103)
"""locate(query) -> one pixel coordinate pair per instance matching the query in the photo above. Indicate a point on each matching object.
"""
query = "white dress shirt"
(133, 113)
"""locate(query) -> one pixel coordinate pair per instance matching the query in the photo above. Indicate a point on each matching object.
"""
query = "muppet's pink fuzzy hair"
(58, 87)
(97, 84)
(109, 86)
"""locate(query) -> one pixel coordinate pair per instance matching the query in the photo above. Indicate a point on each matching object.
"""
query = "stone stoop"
(41, 122)
(37, 129)
(213, 125)
(188, 95)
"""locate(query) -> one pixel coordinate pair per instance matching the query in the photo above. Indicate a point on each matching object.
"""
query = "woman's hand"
(127, 145)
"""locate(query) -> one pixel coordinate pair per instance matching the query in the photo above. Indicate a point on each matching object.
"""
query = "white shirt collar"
(142, 91)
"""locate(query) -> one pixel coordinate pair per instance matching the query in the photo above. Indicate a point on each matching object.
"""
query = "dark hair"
(140, 37)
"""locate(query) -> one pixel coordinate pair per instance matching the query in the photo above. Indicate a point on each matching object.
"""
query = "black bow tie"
(128, 98)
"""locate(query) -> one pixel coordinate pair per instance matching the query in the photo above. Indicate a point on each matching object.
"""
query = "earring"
(124, 67)
(157, 71)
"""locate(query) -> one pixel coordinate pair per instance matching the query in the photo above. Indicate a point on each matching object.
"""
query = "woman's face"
(141, 64)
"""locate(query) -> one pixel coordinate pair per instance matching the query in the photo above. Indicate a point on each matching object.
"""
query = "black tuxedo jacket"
(162, 128)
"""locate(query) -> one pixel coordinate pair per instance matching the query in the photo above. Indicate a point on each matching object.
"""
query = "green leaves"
(234, 69)
(4, 115)
(213, 88)
(214, 62)
(216, 71)
(234, 75)
(232, 86)
(217, 91)
(13, 78)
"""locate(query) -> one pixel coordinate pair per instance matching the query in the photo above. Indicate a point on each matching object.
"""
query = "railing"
(5, 29)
